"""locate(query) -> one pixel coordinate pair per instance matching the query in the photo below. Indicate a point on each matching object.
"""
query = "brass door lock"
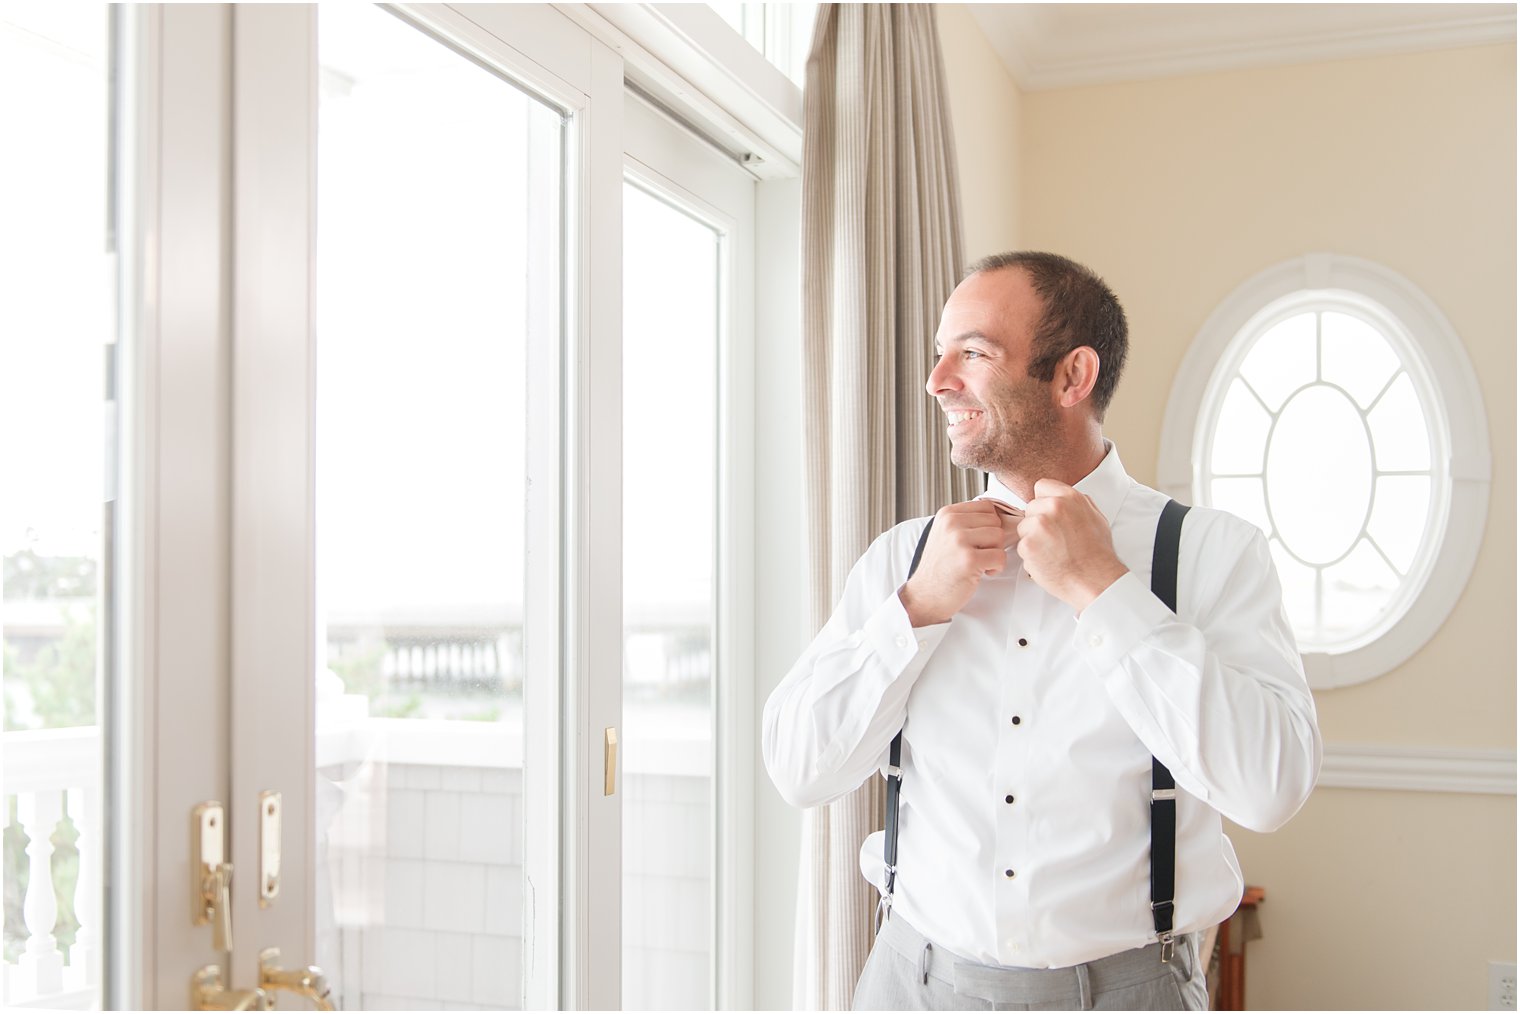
(308, 982)
(207, 992)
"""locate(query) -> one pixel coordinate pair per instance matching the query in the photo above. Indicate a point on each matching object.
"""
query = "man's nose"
(942, 378)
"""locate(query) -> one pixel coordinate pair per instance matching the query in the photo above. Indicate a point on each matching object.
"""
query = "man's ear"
(1077, 375)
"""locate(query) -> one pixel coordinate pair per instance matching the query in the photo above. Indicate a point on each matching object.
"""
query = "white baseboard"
(1418, 768)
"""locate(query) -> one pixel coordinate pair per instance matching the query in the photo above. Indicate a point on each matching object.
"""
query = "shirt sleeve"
(829, 722)
(1221, 701)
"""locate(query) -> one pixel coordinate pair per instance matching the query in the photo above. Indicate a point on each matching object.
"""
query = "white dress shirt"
(1028, 733)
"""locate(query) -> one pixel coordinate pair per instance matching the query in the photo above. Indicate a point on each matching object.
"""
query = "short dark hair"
(1080, 309)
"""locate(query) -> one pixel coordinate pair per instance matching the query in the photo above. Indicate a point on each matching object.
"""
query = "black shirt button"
(1016, 719)
(1007, 799)
(1023, 643)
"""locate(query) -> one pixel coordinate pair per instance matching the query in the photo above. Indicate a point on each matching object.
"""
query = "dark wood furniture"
(1229, 968)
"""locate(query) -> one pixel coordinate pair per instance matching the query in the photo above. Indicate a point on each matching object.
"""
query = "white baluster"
(84, 955)
(41, 965)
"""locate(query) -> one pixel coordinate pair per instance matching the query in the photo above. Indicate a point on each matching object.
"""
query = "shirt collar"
(1107, 484)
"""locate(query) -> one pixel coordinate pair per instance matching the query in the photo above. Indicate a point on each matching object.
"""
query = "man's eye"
(972, 354)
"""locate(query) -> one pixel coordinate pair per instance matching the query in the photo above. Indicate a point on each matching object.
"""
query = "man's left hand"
(1066, 544)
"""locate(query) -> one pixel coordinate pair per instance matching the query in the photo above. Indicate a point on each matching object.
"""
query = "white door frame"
(169, 722)
(273, 451)
(217, 504)
(273, 442)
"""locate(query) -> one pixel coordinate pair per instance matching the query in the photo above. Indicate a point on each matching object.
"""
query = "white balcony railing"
(390, 771)
(52, 774)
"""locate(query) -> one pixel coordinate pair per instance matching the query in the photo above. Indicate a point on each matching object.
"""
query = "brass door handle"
(216, 894)
(609, 761)
(309, 982)
(208, 993)
(211, 874)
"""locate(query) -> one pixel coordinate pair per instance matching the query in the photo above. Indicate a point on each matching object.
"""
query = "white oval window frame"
(1447, 386)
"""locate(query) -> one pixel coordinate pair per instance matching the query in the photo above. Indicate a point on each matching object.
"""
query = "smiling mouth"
(958, 417)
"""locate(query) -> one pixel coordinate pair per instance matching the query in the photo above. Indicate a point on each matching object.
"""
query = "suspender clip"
(1157, 795)
(1168, 948)
(893, 771)
(883, 910)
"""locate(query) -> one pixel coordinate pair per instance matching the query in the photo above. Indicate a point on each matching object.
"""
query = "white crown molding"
(1047, 46)
(1417, 769)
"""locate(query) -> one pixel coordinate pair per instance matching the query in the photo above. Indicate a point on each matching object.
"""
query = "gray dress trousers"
(907, 972)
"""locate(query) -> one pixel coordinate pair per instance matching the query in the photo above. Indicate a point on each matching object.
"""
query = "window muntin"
(1318, 427)
(1444, 383)
(782, 32)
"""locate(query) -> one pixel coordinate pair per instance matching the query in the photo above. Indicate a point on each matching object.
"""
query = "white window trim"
(687, 57)
(1459, 431)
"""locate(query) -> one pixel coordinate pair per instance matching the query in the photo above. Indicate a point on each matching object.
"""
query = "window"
(367, 266)
(58, 333)
(671, 324)
(782, 33)
(425, 313)
(1329, 403)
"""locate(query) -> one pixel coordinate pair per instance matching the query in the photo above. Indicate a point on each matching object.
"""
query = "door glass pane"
(671, 303)
(57, 322)
(432, 175)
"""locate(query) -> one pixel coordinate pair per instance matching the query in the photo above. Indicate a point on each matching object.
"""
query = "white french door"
(687, 444)
(444, 590)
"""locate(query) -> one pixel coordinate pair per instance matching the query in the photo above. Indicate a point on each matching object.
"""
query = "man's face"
(1000, 418)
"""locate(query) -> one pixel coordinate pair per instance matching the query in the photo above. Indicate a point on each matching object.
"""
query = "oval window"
(1342, 419)
(1296, 445)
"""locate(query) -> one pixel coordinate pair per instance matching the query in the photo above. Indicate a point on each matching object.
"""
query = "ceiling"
(1064, 45)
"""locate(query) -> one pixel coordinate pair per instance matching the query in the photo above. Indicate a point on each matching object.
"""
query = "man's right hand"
(969, 541)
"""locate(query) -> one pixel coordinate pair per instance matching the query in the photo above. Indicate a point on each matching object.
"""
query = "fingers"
(981, 524)
(972, 516)
(983, 510)
(1006, 509)
(1052, 496)
(966, 559)
(1030, 525)
(969, 510)
(1052, 487)
(1047, 523)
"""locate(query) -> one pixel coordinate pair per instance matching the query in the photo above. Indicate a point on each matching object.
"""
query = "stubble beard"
(1022, 444)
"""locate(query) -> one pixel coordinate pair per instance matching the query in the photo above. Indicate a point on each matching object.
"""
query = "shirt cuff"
(1116, 621)
(895, 639)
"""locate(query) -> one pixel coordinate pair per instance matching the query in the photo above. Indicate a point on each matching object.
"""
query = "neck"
(1070, 464)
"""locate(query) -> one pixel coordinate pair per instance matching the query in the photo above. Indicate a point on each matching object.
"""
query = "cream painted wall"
(1177, 191)
(986, 105)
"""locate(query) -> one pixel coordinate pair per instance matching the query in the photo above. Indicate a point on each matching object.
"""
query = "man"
(1034, 676)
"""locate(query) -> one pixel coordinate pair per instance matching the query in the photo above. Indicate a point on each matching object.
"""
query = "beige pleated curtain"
(881, 238)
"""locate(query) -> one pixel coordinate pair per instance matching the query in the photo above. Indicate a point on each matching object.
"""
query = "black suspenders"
(894, 780)
(1163, 787)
